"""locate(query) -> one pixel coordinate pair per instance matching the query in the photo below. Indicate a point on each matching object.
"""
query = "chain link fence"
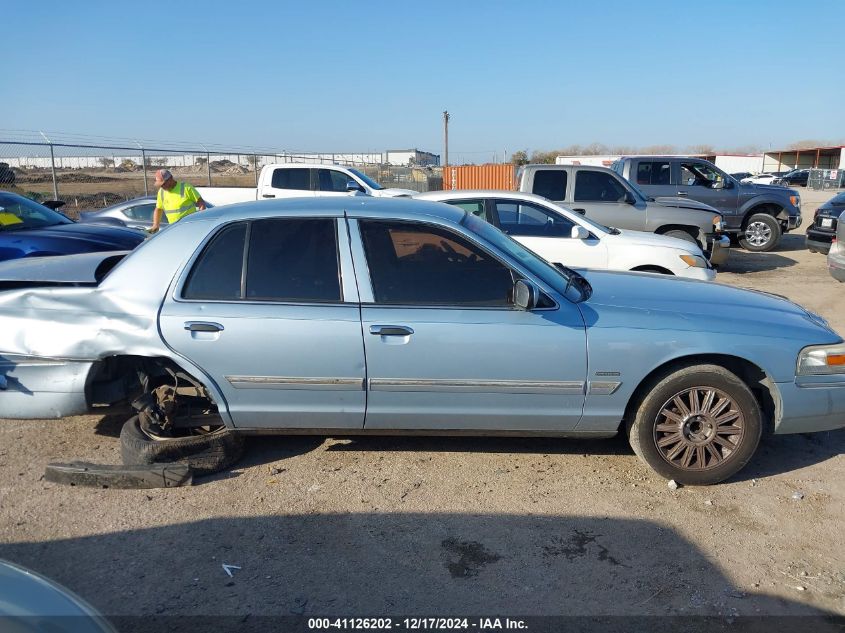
(93, 173)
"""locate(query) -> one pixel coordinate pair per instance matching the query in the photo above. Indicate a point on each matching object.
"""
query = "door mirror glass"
(629, 198)
(352, 185)
(525, 295)
(579, 232)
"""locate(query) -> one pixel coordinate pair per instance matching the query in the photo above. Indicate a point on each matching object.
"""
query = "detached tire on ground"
(761, 233)
(698, 425)
(205, 453)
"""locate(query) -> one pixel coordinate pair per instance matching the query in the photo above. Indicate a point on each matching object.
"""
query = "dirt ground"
(433, 526)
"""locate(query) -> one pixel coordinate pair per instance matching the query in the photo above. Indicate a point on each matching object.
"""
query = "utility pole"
(446, 138)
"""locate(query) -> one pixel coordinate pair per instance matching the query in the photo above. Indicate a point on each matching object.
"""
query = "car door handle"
(391, 330)
(268, 195)
(581, 211)
(683, 194)
(203, 326)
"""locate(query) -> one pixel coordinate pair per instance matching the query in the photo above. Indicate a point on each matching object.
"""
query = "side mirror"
(629, 198)
(525, 295)
(579, 233)
(353, 185)
(53, 204)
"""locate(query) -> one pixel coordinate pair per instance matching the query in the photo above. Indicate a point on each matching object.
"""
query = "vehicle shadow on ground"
(741, 262)
(778, 454)
(400, 564)
(110, 425)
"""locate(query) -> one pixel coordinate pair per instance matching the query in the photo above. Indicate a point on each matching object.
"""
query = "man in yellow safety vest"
(176, 199)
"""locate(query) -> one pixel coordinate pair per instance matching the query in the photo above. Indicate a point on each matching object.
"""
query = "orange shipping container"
(488, 176)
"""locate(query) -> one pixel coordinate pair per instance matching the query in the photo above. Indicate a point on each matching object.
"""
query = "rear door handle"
(268, 195)
(203, 326)
(391, 330)
(683, 194)
(581, 211)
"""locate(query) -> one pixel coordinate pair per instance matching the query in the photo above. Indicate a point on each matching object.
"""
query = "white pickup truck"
(298, 180)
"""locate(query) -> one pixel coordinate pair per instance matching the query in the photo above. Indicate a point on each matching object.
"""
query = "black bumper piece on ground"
(109, 476)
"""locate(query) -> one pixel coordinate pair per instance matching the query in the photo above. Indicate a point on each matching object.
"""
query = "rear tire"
(761, 233)
(699, 425)
(205, 453)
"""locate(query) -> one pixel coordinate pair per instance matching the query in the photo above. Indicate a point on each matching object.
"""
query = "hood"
(641, 238)
(683, 203)
(761, 189)
(75, 238)
(688, 304)
(395, 193)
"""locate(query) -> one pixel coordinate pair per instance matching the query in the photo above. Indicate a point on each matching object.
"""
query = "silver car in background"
(836, 254)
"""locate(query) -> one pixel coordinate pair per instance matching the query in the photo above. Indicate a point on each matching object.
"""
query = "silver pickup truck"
(602, 195)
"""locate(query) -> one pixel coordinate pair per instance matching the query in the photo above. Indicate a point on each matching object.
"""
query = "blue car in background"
(29, 229)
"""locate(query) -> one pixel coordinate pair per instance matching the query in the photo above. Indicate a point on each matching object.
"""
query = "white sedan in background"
(562, 236)
(761, 179)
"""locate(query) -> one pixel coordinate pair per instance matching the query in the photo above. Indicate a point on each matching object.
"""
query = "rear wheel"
(205, 449)
(698, 425)
(761, 233)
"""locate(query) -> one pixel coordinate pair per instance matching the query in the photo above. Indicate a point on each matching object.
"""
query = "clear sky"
(358, 76)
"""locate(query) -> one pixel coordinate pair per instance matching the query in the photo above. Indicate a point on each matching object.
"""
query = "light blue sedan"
(341, 316)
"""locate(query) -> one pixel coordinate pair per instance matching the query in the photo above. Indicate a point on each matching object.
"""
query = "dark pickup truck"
(756, 215)
(821, 232)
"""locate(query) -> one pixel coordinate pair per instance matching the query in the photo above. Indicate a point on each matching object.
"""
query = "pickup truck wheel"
(698, 425)
(681, 235)
(206, 450)
(761, 233)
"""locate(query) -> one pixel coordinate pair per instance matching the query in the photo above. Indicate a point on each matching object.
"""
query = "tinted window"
(290, 178)
(293, 260)
(653, 173)
(527, 219)
(550, 183)
(217, 272)
(141, 212)
(418, 264)
(332, 180)
(597, 186)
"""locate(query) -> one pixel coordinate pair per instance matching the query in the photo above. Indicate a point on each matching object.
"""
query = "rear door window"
(550, 183)
(141, 212)
(291, 178)
(475, 207)
(653, 173)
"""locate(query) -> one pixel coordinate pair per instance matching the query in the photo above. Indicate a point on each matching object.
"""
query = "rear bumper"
(42, 388)
(815, 244)
(811, 407)
(836, 266)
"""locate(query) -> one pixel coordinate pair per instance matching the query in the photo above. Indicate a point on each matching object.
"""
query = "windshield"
(556, 278)
(370, 182)
(18, 213)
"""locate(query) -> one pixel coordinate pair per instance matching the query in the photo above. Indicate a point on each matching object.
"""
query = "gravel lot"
(379, 526)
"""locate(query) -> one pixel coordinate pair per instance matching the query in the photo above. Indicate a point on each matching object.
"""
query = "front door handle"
(683, 194)
(268, 195)
(203, 326)
(581, 211)
(391, 330)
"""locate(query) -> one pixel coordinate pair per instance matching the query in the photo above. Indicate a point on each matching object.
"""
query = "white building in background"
(411, 158)
(730, 163)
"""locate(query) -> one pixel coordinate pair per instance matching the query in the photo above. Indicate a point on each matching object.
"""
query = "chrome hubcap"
(758, 233)
(698, 428)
